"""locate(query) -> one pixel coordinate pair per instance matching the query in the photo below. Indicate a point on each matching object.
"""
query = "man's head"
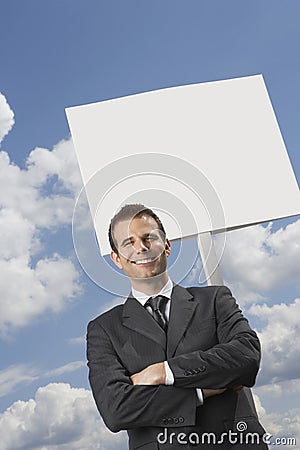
(138, 241)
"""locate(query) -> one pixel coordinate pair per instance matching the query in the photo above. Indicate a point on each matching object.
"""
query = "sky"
(68, 52)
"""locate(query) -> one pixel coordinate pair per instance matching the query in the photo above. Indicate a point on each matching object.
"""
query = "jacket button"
(181, 419)
(171, 420)
(176, 420)
(165, 421)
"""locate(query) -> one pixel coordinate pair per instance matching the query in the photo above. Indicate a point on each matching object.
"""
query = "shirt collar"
(165, 291)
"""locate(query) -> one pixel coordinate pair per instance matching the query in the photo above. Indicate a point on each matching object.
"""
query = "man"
(170, 364)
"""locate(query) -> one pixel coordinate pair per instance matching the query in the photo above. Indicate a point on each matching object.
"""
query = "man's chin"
(145, 276)
(149, 276)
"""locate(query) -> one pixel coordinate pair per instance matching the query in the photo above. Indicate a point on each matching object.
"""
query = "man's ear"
(116, 259)
(168, 247)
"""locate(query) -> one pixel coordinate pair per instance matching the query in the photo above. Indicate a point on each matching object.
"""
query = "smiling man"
(170, 364)
(140, 248)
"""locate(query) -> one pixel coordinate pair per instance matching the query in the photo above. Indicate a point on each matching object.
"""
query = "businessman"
(171, 364)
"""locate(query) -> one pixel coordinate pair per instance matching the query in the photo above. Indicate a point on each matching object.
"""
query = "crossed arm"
(123, 405)
(238, 355)
(126, 401)
(155, 374)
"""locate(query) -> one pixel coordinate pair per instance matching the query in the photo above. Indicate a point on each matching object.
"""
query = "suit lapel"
(137, 318)
(182, 310)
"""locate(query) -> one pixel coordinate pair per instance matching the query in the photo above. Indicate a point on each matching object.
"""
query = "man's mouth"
(144, 261)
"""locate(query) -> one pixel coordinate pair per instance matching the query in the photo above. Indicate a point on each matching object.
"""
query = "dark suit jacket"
(209, 344)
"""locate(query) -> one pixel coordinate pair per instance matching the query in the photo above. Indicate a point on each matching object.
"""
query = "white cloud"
(78, 340)
(61, 162)
(257, 260)
(6, 117)
(58, 418)
(24, 190)
(13, 376)
(30, 292)
(277, 390)
(281, 425)
(18, 375)
(274, 389)
(280, 341)
(70, 367)
(18, 237)
(33, 201)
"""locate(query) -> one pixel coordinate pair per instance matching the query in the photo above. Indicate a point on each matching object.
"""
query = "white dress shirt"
(166, 291)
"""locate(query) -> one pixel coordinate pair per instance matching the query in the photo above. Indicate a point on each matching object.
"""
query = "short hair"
(131, 211)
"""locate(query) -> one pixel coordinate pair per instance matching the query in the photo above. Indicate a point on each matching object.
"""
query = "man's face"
(142, 247)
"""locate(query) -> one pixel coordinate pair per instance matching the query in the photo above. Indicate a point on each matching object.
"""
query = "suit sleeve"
(234, 361)
(123, 405)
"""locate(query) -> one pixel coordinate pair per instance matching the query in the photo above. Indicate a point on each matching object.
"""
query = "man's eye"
(127, 244)
(151, 237)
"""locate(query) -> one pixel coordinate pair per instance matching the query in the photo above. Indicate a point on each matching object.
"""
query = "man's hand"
(211, 392)
(153, 375)
(238, 389)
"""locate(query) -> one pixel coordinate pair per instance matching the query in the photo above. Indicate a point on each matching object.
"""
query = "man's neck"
(150, 286)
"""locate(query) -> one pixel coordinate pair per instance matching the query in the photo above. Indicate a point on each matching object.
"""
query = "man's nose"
(141, 246)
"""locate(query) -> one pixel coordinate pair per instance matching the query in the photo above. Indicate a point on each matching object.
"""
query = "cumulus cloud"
(6, 117)
(59, 162)
(282, 425)
(280, 341)
(279, 389)
(35, 200)
(256, 260)
(29, 292)
(44, 192)
(58, 418)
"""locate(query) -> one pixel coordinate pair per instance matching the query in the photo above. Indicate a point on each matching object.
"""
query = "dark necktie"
(158, 306)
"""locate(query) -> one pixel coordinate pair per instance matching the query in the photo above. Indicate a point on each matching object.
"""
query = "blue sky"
(64, 53)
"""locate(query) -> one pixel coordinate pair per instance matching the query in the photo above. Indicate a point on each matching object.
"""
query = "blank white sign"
(206, 157)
